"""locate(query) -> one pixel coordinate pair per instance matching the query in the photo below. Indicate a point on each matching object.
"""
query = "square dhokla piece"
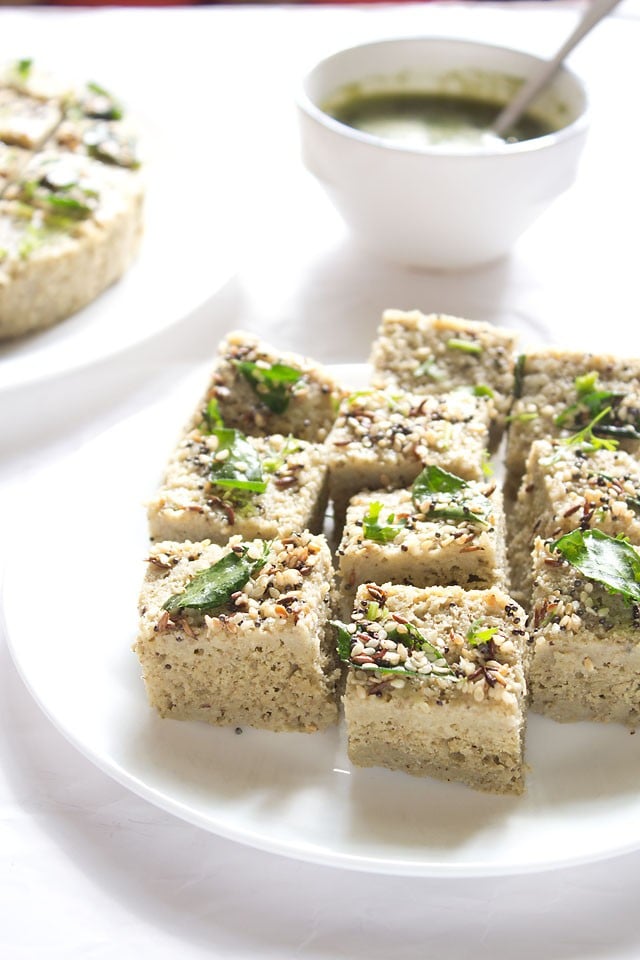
(558, 393)
(435, 353)
(264, 656)
(261, 390)
(26, 121)
(436, 685)
(290, 477)
(383, 439)
(567, 487)
(586, 643)
(437, 540)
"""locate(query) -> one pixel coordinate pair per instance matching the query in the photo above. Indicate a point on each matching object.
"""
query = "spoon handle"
(530, 89)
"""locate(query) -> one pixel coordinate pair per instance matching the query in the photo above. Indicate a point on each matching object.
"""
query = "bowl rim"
(449, 152)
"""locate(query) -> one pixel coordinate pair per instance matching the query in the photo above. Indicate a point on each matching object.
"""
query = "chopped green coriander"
(23, 68)
(272, 384)
(465, 346)
(212, 417)
(345, 640)
(213, 587)
(32, 239)
(477, 634)
(525, 416)
(381, 531)
(587, 439)
(483, 390)
(4, 253)
(236, 466)
(590, 401)
(273, 464)
(102, 105)
(611, 561)
(485, 465)
(428, 368)
(438, 493)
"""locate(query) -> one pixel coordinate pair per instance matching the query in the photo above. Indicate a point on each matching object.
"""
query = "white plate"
(187, 255)
(70, 607)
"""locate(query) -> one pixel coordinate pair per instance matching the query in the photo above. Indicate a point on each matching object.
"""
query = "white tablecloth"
(87, 869)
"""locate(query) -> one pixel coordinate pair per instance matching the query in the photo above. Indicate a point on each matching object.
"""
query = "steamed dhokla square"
(222, 483)
(568, 486)
(436, 685)
(239, 634)
(71, 225)
(560, 393)
(383, 439)
(260, 390)
(436, 353)
(443, 530)
(585, 624)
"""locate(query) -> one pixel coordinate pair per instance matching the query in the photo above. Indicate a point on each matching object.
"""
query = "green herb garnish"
(381, 532)
(590, 400)
(273, 464)
(272, 384)
(32, 239)
(213, 587)
(429, 369)
(477, 634)
(525, 416)
(465, 346)
(438, 493)
(345, 640)
(212, 417)
(587, 439)
(485, 464)
(483, 390)
(23, 68)
(610, 561)
(410, 637)
(102, 106)
(241, 469)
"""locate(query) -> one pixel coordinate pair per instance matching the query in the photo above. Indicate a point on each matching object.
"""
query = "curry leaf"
(383, 532)
(610, 561)
(213, 587)
(241, 468)
(272, 384)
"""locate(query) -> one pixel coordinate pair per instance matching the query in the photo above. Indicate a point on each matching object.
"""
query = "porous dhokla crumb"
(586, 645)
(264, 656)
(383, 439)
(436, 685)
(435, 353)
(26, 121)
(566, 487)
(559, 392)
(261, 391)
(289, 477)
(434, 540)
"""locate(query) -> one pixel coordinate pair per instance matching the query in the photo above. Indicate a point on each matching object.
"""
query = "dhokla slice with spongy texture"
(566, 487)
(261, 390)
(384, 438)
(239, 634)
(436, 684)
(220, 483)
(443, 530)
(435, 353)
(585, 626)
(561, 393)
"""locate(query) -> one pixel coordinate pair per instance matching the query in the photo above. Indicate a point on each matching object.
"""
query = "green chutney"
(431, 119)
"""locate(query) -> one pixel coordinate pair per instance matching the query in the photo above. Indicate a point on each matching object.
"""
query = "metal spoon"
(532, 87)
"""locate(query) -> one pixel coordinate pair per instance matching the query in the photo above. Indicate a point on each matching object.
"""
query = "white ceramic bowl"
(439, 207)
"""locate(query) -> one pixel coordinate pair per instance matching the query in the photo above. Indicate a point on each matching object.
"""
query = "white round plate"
(70, 606)
(187, 255)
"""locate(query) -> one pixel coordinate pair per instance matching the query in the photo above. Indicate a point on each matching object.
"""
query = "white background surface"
(86, 869)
